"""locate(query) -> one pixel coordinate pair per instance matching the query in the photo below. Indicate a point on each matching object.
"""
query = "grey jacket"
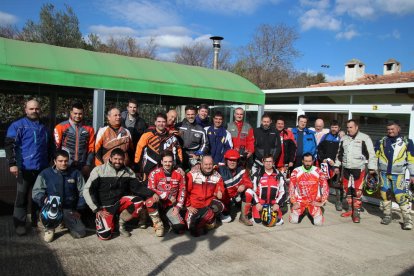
(355, 153)
(193, 137)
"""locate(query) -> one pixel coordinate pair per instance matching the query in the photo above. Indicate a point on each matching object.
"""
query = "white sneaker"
(49, 235)
(225, 218)
(280, 222)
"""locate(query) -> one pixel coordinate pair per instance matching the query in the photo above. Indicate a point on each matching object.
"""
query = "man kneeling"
(308, 190)
(169, 184)
(58, 190)
(112, 189)
(204, 189)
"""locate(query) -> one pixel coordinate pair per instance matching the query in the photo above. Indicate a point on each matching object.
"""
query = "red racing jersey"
(307, 186)
(202, 189)
(168, 185)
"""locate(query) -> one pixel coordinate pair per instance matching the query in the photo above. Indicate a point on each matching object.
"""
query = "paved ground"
(340, 247)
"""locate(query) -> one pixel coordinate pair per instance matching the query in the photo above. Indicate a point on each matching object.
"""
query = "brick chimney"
(391, 66)
(354, 69)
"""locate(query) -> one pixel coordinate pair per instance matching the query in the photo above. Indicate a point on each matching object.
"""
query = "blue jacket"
(27, 144)
(309, 141)
(220, 142)
(68, 185)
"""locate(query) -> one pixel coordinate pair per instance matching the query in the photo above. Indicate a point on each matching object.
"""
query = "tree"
(126, 46)
(267, 59)
(199, 54)
(9, 31)
(59, 28)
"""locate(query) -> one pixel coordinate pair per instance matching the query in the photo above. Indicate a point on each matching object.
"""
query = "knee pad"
(207, 217)
(103, 229)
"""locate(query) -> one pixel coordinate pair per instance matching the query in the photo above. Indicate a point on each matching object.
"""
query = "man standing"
(169, 184)
(241, 134)
(153, 143)
(77, 139)
(305, 140)
(133, 122)
(319, 129)
(28, 146)
(219, 138)
(202, 118)
(112, 189)
(288, 145)
(193, 137)
(204, 189)
(66, 183)
(355, 150)
(395, 155)
(171, 120)
(238, 184)
(111, 137)
(309, 190)
(266, 141)
(327, 151)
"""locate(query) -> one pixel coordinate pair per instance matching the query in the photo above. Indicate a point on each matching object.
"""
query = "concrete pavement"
(340, 247)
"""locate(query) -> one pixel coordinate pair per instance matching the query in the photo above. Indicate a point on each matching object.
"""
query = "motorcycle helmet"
(371, 183)
(232, 154)
(52, 213)
(269, 217)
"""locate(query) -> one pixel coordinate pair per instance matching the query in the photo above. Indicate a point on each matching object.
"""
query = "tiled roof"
(372, 79)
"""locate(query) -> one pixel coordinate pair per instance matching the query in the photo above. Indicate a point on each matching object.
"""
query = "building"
(370, 99)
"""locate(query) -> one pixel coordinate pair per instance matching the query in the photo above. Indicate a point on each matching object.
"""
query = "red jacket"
(288, 152)
(241, 140)
(270, 188)
(201, 189)
(168, 186)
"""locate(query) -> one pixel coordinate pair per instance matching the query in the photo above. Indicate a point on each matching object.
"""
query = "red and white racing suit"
(270, 190)
(171, 188)
(202, 192)
(307, 187)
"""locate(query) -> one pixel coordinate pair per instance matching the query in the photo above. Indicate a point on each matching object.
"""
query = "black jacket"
(138, 129)
(266, 141)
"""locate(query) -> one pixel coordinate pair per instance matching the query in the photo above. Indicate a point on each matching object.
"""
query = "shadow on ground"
(27, 255)
(186, 248)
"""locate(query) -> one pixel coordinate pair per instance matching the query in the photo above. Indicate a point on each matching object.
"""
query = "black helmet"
(371, 183)
(52, 213)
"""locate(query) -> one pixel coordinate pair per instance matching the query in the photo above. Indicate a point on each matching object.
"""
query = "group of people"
(195, 173)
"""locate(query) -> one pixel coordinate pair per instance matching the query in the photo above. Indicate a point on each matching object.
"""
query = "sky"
(331, 32)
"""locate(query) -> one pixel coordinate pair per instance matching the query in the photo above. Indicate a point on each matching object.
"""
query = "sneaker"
(20, 230)
(280, 222)
(386, 220)
(338, 205)
(407, 226)
(225, 218)
(49, 235)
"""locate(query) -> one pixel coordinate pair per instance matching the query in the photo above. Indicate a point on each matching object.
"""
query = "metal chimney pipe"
(216, 45)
